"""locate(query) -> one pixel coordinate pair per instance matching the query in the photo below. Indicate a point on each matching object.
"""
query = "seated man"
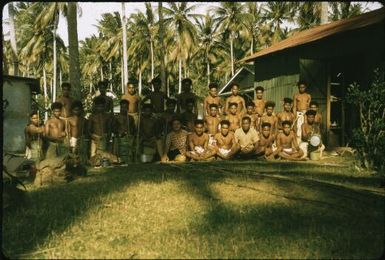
(33, 138)
(197, 143)
(150, 136)
(287, 145)
(247, 138)
(233, 117)
(250, 107)
(55, 133)
(79, 140)
(265, 144)
(175, 147)
(124, 130)
(310, 128)
(225, 142)
(286, 114)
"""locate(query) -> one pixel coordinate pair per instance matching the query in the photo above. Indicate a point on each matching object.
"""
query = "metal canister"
(105, 162)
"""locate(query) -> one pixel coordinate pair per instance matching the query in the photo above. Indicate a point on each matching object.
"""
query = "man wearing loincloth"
(300, 106)
(34, 132)
(287, 143)
(55, 133)
(133, 100)
(212, 123)
(310, 128)
(197, 143)
(266, 141)
(225, 142)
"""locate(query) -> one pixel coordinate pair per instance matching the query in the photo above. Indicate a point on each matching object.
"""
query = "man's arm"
(294, 142)
(295, 104)
(190, 143)
(226, 106)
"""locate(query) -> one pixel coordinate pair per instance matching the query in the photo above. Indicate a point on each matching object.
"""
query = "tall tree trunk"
(111, 77)
(101, 72)
(54, 60)
(45, 94)
(324, 12)
(208, 72)
(60, 78)
(12, 31)
(232, 55)
(152, 60)
(184, 68)
(252, 46)
(180, 76)
(161, 40)
(140, 82)
(121, 74)
(125, 67)
(73, 46)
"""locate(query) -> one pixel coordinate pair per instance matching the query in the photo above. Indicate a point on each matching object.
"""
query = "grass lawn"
(203, 210)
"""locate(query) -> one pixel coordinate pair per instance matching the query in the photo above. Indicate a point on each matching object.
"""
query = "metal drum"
(315, 140)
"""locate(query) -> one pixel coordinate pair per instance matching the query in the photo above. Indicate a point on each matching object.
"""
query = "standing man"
(286, 114)
(157, 97)
(102, 86)
(65, 99)
(269, 117)
(55, 132)
(235, 98)
(233, 117)
(133, 100)
(259, 101)
(188, 117)
(185, 95)
(212, 98)
(33, 137)
(301, 105)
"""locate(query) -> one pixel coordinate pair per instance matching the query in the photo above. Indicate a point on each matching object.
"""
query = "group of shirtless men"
(171, 130)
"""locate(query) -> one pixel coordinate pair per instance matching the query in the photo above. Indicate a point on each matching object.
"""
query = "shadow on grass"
(54, 209)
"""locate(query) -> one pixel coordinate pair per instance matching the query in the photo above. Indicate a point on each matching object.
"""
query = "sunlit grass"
(207, 210)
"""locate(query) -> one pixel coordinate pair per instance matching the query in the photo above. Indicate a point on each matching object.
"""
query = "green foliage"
(369, 139)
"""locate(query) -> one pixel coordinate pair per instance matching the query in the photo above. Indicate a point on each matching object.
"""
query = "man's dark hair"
(187, 81)
(190, 101)
(99, 100)
(234, 84)
(301, 82)
(175, 118)
(313, 103)
(259, 88)
(225, 122)
(66, 85)
(233, 104)
(269, 104)
(250, 104)
(266, 124)
(246, 118)
(156, 81)
(103, 84)
(213, 85)
(34, 112)
(170, 101)
(287, 100)
(286, 122)
(311, 113)
(213, 105)
(146, 106)
(77, 104)
(56, 105)
(124, 102)
(199, 122)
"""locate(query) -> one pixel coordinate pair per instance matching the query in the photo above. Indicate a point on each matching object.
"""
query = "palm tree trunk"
(121, 75)
(60, 78)
(140, 82)
(208, 73)
(111, 77)
(252, 46)
(324, 12)
(45, 94)
(54, 61)
(161, 41)
(73, 46)
(232, 55)
(12, 31)
(91, 88)
(101, 72)
(152, 60)
(180, 76)
(125, 67)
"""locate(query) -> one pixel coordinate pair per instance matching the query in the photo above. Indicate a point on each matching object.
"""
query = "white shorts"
(73, 141)
(212, 141)
(224, 151)
(287, 150)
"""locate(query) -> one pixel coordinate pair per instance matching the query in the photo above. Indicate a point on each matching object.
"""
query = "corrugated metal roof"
(322, 31)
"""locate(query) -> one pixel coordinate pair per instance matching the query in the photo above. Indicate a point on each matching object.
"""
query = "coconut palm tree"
(309, 15)
(231, 17)
(342, 10)
(253, 23)
(12, 30)
(178, 16)
(124, 39)
(161, 44)
(275, 14)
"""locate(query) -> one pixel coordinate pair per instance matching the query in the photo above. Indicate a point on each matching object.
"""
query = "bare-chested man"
(287, 145)
(65, 99)
(133, 99)
(175, 145)
(185, 95)
(286, 114)
(318, 116)
(250, 107)
(233, 117)
(150, 136)
(212, 121)
(265, 143)
(259, 101)
(188, 117)
(124, 129)
(102, 86)
(301, 105)
(55, 133)
(270, 118)
(168, 115)
(78, 132)
(100, 127)
(226, 146)
(235, 98)
(310, 128)
(157, 97)
(34, 132)
(197, 143)
(212, 98)
(247, 138)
